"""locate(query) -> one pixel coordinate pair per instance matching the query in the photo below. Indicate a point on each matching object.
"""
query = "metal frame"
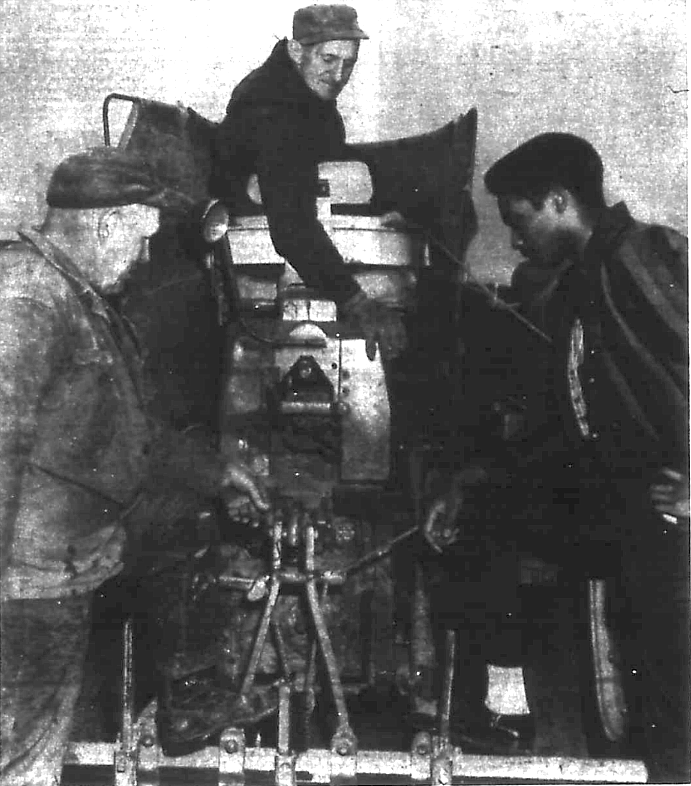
(136, 757)
(426, 762)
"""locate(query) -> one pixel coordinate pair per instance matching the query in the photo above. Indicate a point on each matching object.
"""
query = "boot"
(195, 709)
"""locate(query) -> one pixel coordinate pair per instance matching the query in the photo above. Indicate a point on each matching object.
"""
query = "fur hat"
(110, 177)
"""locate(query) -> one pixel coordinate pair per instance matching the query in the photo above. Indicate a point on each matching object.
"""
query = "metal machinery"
(312, 597)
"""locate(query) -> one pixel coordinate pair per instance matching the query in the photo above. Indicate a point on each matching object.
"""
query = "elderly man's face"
(326, 67)
(123, 244)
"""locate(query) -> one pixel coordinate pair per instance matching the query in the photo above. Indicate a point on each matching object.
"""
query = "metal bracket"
(231, 758)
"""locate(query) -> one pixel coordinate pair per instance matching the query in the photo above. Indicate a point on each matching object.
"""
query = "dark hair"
(546, 162)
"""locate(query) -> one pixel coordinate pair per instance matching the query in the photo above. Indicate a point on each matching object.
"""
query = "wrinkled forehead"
(143, 218)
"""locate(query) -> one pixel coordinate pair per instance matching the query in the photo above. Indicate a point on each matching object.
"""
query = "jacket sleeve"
(287, 175)
(27, 347)
(648, 294)
(185, 459)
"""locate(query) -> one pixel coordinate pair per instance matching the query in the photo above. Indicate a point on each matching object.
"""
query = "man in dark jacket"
(78, 452)
(620, 335)
(281, 121)
(623, 356)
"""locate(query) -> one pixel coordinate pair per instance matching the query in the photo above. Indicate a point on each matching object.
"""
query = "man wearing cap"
(281, 121)
(621, 372)
(77, 451)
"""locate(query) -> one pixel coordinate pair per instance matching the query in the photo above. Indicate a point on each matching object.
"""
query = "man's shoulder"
(25, 275)
(265, 84)
(655, 241)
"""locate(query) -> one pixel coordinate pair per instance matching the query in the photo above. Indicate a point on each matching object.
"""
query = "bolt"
(422, 750)
(231, 746)
(148, 740)
(342, 749)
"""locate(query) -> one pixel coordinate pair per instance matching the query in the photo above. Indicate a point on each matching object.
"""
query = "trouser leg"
(656, 647)
(43, 647)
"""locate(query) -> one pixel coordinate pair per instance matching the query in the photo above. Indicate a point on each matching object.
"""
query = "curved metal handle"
(106, 104)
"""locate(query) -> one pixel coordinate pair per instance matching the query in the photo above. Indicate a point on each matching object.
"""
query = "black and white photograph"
(344, 392)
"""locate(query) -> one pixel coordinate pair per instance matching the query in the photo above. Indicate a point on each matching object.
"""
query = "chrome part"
(215, 221)
(609, 690)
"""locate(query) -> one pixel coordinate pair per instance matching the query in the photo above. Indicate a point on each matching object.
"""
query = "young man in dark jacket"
(281, 122)
(78, 453)
(620, 337)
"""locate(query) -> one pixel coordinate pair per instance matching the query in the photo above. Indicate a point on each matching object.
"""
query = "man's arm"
(27, 344)
(188, 459)
(286, 174)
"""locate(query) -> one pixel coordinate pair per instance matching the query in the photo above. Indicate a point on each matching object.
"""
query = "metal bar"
(283, 719)
(280, 645)
(260, 638)
(344, 738)
(447, 687)
(125, 754)
(318, 763)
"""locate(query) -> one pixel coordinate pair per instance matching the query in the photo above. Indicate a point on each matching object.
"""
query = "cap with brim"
(317, 23)
(111, 177)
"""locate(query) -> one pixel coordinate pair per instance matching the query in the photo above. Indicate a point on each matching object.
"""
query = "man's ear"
(294, 49)
(561, 199)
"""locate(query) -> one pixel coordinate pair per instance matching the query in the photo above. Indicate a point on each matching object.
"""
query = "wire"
(491, 295)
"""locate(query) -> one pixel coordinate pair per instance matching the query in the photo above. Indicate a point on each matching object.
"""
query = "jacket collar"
(279, 80)
(613, 223)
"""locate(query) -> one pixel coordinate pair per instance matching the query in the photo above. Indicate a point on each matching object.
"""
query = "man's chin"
(328, 93)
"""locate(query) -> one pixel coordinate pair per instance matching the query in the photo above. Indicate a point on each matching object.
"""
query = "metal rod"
(344, 731)
(260, 638)
(447, 688)
(283, 744)
(382, 551)
(128, 719)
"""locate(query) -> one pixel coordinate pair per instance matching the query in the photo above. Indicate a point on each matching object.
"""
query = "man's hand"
(251, 497)
(381, 324)
(670, 495)
(440, 528)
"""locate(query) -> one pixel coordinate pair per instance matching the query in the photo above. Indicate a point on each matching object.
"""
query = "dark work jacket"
(631, 297)
(77, 448)
(276, 127)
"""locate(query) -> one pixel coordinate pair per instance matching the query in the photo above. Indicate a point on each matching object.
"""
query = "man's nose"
(154, 225)
(338, 72)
